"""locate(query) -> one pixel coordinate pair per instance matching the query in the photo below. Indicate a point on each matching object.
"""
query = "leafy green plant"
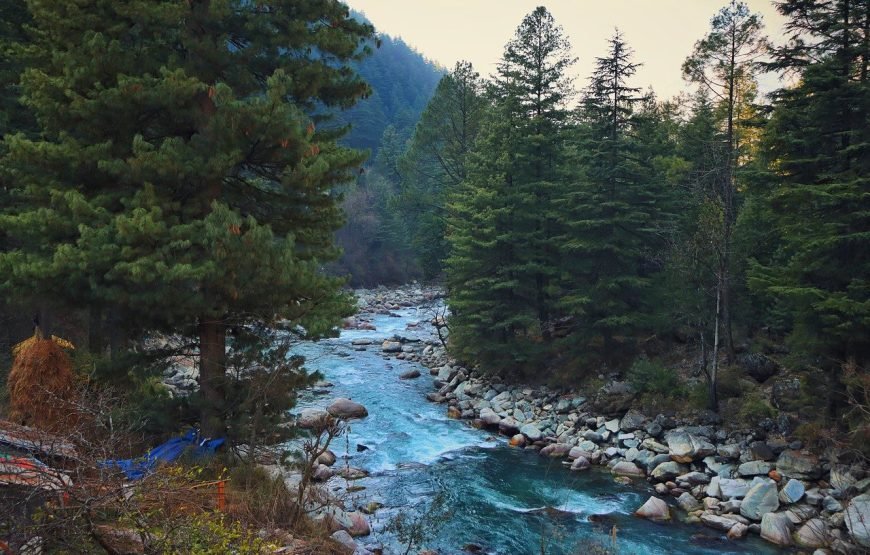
(649, 376)
(754, 407)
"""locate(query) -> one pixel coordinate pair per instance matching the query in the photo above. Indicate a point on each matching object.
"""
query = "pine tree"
(436, 160)
(723, 63)
(613, 210)
(515, 186)
(187, 165)
(818, 148)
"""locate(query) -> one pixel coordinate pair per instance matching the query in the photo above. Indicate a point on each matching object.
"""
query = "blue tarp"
(135, 469)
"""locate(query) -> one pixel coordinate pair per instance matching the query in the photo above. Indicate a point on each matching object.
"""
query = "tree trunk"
(212, 374)
(712, 377)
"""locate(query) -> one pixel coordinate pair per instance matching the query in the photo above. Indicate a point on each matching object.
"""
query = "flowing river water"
(497, 499)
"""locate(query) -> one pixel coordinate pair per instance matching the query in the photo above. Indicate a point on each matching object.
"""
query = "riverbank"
(736, 482)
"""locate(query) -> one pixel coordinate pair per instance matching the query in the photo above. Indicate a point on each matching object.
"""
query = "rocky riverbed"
(740, 483)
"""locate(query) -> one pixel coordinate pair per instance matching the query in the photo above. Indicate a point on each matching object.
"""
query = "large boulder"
(776, 528)
(489, 417)
(391, 346)
(508, 426)
(813, 534)
(762, 498)
(654, 509)
(312, 418)
(555, 450)
(758, 366)
(755, 468)
(532, 432)
(685, 448)
(625, 468)
(347, 409)
(342, 537)
(858, 519)
(615, 398)
(795, 464)
(792, 492)
(687, 502)
(736, 488)
(717, 522)
(669, 470)
(633, 420)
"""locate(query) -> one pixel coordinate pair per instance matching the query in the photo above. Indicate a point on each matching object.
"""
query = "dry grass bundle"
(41, 383)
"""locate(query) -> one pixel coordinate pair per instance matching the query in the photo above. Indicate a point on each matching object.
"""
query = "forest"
(190, 192)
(589, 225)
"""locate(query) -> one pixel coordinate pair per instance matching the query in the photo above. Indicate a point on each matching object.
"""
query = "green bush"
(653, 377)
(754, 407)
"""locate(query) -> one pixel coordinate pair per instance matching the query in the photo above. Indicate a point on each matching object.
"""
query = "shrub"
(754, 407)
(653, 377)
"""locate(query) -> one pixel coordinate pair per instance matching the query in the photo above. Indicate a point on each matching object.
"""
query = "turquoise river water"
(498, 499)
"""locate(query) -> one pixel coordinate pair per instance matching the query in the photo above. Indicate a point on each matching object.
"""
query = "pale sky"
(662, 32)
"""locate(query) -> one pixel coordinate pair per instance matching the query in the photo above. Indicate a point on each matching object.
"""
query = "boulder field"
(739, 482)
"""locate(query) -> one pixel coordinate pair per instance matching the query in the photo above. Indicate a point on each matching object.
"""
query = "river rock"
(518, 440)
(776, 528)
(762, 498)
(654, 509)
(312, 418)
(754, 468)
(508, 426)
(858, 519)
(410, 374)
(814, 533)
(347, 409)
(688, 503)
(739, 530)
(327, 458)
(625, 468)
(654, 446)
(581, 463)
(760, 451)
(589, 435)
(693, 478)
(717, 522)
(359, 524)
(842, 478)
(454, 412)
(685, 448)
(633, 420)
(531, 431)
(555, 450)
(713, 489)
(792, 492)
(736, 488)
(668, 470)
(391, 346)
(612, 425)
(795, 464)
(342, 537)
(489, 417)
(729, 451)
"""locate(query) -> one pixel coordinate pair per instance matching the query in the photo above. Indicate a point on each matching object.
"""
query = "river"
(498, 499)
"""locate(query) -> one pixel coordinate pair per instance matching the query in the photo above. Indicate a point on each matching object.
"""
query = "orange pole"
(221, 495)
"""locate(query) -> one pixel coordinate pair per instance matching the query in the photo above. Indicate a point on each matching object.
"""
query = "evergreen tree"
(614, 209)
(436, 161)
(503, 271)
(818, 148)
(185, 172)
(723, 63)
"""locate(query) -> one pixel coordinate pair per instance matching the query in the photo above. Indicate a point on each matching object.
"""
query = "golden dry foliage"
(41, 382)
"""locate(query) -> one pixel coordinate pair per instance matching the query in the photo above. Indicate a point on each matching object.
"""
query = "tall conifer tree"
(186, 167)
(515, 185)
